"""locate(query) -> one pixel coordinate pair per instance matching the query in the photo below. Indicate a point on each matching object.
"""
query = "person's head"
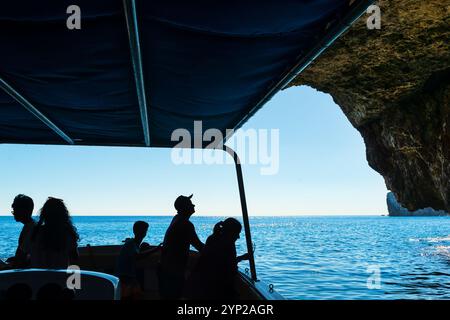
(53, 291)
(229, 229)
(54, 212)
(19, 291)
(184, 205)
(49, 291)
(22, 208)
(55, 218)
(140, 229)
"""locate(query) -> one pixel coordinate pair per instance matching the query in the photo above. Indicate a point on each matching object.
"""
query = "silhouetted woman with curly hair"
(55, 239)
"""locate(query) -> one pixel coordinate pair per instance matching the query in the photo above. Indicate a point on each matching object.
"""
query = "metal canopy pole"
(248, 235)
(32, 109)
(136, 59)
(356, 11)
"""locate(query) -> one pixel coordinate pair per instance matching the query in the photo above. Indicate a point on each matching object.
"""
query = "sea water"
(316, 257)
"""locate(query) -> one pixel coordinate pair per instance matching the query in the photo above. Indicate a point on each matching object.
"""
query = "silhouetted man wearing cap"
(175, 251)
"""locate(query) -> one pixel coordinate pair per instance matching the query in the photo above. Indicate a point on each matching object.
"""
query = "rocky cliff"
(393, 85)
(397, 210)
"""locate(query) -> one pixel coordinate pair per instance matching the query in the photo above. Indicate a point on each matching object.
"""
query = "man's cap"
(182, 201)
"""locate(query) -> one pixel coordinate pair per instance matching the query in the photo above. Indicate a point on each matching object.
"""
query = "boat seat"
(93, 285)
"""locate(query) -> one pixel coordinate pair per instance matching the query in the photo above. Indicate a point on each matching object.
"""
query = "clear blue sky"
(322, 170)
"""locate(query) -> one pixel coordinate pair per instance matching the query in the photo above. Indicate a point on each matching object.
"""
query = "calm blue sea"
(314, 257)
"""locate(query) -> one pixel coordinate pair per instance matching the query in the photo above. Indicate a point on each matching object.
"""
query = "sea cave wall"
(393, 84)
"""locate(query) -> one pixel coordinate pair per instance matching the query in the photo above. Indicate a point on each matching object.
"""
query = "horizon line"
(219, 215)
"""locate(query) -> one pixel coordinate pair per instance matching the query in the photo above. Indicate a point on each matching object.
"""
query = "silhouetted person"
(53, 291)
(215, 272)
(132, 250)
(54, 240)
(22, 209)
(175, 251)
(19, 292)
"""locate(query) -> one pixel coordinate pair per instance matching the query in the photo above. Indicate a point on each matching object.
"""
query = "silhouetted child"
(175, 251)
(132, 250)
(214, 275)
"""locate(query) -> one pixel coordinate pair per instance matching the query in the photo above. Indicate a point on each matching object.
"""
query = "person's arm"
(19, 260)
(195, 241)
(192, 235)
(13, 263)
(4, 266)
(146, 253)
(243, 257)
(20, 257)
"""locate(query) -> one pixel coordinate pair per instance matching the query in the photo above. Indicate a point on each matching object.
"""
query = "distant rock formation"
(397, 210)
(393, 85)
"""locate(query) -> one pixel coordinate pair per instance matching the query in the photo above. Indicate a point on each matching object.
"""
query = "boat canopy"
(133, 71)
(137, 70)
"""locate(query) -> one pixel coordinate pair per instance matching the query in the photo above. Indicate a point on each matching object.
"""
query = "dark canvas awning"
(215, 61)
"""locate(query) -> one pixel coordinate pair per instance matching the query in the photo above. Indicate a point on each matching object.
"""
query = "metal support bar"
(136, 59)
(304, 60)
(248, 235)
(32, 109)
